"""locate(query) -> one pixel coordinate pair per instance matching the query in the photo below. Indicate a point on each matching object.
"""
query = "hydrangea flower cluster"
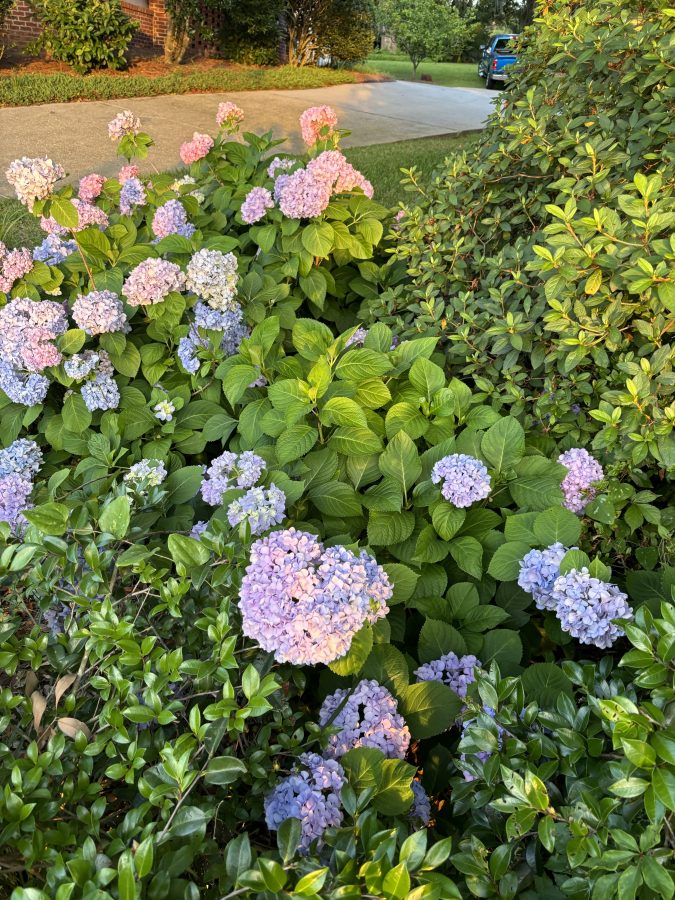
(357, 339)
(100, 312)
(586, 607)
(27, 331)
(152, 281)
(583, 472)
(229, 323)
(171, 218)
(101, 391)
(53, 250)
(164, 410)
(123, 124)
(146, 474)
(14, 264)
(33, 179)
(80, 365)
(22, 457)
(301, 195)
(317, 123)
(129, 171)
(132, 195)
(465, 479)
(458, 672)
(259, 507)
(255, 206)
(196, 149)
(229, 116)
(332, 167)
(421, 805)
(50, 226)
(198, 529)
(280, 164)
(538, 572)
(24, 388)
(310, 794)
(19, 463)
(305, 603)
(229, 471)
(368, 718)
(212, 276)
(188, 180)
(90, 187)
(88, 215)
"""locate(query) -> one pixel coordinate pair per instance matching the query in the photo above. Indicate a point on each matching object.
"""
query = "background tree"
(252, 30)
(423, 29)
(347, 31)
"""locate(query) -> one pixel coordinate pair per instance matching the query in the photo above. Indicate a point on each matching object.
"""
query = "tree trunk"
(175, 44)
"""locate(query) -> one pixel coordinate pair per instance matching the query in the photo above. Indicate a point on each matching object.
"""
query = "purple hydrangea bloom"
(27, 331)
(152, 281)
(53, 250)
(23, 457)
(228, 471)
(25, 388)
(305, 603)
(583, 471)
(89, 215)
(279, 163)
(465, 479)
(310, 794)
(198, 529)
(368, 718)
(457, 672)
(229, 322)
(14, 264)
(14, 493)
(80, 365)
(212, 276)
(259, 507)
(132, 194)
(100, 312)
(586, 607)
(421, 805)
(302, 195)
(357, 338)
(123, 124)
(171, 218)
(255, 206)
(538, 571)
(101, 393)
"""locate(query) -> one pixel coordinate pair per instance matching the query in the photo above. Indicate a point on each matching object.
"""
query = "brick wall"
(21, 26)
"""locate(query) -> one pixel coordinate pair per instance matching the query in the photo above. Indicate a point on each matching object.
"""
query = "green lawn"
(398, 65)
(380, 163)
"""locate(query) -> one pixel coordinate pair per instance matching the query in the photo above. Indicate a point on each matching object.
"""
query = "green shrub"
(86, 34)
(251, 32)
(5, 6)
(347, 31)
(544, 261)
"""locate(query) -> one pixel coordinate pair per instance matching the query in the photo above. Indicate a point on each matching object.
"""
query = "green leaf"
(429, 708)
(318, 238)
(438, 638)
(505, 564)
(394, 792)
(503, 444)
(311, 883)
(402, 579)
(72, 341)
(574, 559)
(116, 516)
(387, 528)
(50, 518)
(224, 770)
(354, 441)
(468, 554)
(388, 666)
(187, 551)
(396, 882)
(359, 365)
(447, 519)
(557, 525)
(64, 211)
(427, 377)
(295, 442)
(544, 682)
(601, 509)
(289, 835)
(76, 416)
(343, 411)
(126, 883)
(504, 647)
(337, 499)
(400, 461)
(352, 662)
(183, 484)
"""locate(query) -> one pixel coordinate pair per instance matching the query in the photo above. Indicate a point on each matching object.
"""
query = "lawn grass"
(26, 90)
(380, 163)
(398, 65)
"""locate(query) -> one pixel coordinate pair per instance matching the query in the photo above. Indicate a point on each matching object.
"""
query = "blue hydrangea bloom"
(53, 250)
(465, 479)
(25, 388)
(368, 718)
(259, 507)
(230, 470)
(457, 672)
(421, 805)
(539, 570)
(586, 607)
(22, 457)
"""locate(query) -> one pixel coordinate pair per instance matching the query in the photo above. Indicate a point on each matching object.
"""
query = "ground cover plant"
(292, 607)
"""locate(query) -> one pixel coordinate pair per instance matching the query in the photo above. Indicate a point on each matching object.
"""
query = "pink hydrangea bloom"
(27, 328)
(14, 264)
(196, 149)
(317, 122)
(51, 226)
(127, 172)
(88, 214)
(342, 176)
(257, 202)
(152, 281)
(303, 195)
(90, 187)
(123, 124)
(229, 115)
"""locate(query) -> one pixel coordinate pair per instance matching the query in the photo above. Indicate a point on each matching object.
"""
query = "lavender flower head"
(171, 218)
(278, 164)
(198, 529)
(27, 389)
(357, 339)
(368, 718)
(23, 457)
(89, 215)
(259, 507)
(100, 391)
(586, 607)
(53, 250)
(302, 195)
(458, 672)
(152, 281)
(255, 206)
(132, 195)
(229, 323)
(212, 276)
(583, 471)
(14, 264)
(14, 493)
(538, 572)
(229, 471)
(123, 124)
(310, 794)
(465, 479)
(421, 805)
(305, 603)
(34, 179)
(100, 312)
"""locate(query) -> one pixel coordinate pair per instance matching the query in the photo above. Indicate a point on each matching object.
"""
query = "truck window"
(502, 45)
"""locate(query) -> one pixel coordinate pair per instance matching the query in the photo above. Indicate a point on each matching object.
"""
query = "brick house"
(21, 26)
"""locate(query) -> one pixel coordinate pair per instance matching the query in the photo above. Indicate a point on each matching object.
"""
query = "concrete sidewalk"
(75, 134)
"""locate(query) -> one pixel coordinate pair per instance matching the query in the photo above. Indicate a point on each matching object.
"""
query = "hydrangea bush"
(288, 608)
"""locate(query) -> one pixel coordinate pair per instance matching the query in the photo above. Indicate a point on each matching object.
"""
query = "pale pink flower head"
(88, 214)
(49, 225)
(127, 172)
(90, 187)
(33, 179)
(123, 124)
(229, 116)
(196, 149)
(317, 122)
(332, 166)
(257, 202)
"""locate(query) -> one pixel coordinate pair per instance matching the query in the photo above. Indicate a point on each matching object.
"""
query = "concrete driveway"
(75, 134)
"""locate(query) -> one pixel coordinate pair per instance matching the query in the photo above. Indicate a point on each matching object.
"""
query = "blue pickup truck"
(496, 57)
